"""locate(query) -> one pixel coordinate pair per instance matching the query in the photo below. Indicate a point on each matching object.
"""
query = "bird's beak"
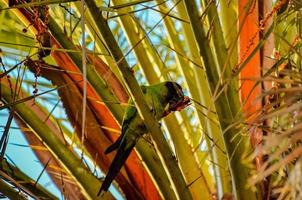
(183, 104)
(179, 105)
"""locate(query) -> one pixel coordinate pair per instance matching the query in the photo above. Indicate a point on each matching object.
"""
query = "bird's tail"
(116, 165)
(114, 146)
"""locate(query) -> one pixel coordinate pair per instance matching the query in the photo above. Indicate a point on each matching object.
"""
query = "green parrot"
(162, 99)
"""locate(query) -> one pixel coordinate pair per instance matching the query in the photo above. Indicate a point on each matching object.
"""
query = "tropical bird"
(162, 99)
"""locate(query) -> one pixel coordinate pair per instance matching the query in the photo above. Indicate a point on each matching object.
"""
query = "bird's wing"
(130, 113)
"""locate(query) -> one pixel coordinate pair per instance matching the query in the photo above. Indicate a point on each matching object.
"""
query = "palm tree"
(69, 68)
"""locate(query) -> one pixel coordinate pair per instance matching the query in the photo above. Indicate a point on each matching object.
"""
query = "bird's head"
(175, 97)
